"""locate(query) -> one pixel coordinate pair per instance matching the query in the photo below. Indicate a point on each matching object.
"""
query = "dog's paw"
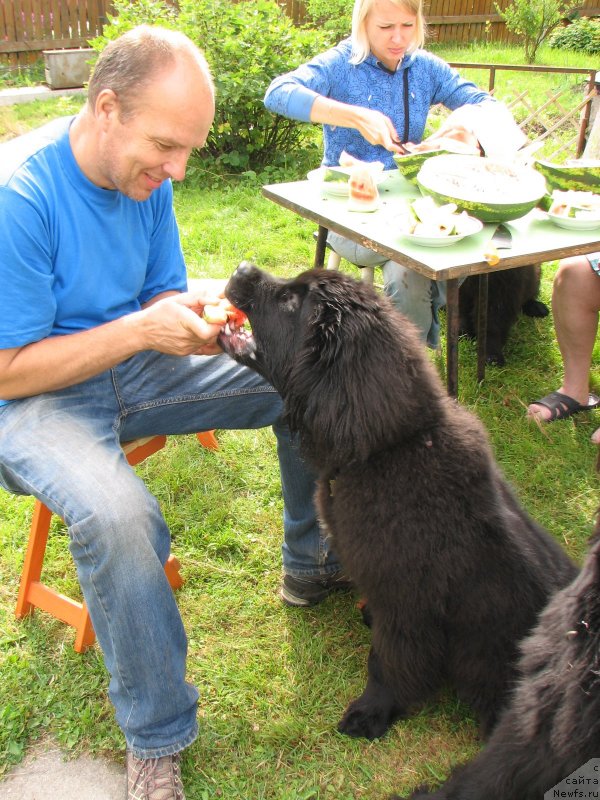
(368, 722)
(496, 358)
(535, 308)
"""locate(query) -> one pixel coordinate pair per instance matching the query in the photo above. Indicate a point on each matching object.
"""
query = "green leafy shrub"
(334, 17)
(534, 21)
(246, 44)
(582, 36)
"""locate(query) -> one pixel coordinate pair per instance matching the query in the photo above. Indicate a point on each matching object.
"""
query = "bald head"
(131, 64)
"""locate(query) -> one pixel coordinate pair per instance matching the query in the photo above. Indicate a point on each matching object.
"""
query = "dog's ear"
(358, 363)
(337, 316)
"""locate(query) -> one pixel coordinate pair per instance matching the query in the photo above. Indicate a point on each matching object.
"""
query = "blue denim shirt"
(371, 85)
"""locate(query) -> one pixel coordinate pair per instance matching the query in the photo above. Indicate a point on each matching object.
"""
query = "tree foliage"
(534, 21)
(334, 17)
(582, 36)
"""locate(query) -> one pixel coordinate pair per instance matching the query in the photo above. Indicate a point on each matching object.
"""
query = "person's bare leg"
(575, 305)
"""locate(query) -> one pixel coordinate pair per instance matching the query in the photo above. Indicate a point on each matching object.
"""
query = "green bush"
(534, 21)
(247, 44)
(582, 36)
(334, 17)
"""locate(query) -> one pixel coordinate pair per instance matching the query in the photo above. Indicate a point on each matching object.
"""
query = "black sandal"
(562, 406)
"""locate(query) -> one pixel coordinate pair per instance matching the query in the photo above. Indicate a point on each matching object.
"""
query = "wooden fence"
(29, 26)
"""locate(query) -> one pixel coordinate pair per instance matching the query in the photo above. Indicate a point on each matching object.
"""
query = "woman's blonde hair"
(360, 42)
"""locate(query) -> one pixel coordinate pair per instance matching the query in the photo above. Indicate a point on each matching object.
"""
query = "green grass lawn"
(274, 681)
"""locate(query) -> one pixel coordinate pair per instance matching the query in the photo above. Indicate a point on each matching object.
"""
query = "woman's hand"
(374, 126)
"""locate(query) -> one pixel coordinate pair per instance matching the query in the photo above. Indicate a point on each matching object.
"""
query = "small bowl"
(584, 223)
(472, 227)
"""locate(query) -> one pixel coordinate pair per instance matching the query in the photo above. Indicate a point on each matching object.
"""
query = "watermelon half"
(492, 191)
(577, 176)
(410, 165)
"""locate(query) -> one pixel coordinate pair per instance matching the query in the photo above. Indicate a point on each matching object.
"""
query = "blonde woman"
(372, 93)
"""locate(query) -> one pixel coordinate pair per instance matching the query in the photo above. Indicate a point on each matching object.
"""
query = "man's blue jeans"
(63, 448)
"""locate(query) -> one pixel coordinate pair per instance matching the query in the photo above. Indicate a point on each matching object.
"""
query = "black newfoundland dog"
(454, 571)
(552, 725)
(510, 293)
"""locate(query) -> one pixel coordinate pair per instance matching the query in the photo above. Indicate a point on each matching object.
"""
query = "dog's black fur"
(552, 725)
(510, 292)
(454, 570)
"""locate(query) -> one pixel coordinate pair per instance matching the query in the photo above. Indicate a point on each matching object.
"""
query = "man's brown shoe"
(154, 778)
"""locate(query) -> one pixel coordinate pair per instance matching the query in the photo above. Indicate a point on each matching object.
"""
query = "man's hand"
(169, 323)
(174, 324)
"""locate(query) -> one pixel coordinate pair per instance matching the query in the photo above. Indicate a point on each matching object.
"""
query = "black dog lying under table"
(552, 725)
(510, 293)
(454, 570)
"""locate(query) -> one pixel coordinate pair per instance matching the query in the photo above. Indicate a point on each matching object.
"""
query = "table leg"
(452, 336)
(482, 309)
(320, 251)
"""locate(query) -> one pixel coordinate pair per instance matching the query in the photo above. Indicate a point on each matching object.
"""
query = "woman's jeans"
(63, 448)
(417, 297)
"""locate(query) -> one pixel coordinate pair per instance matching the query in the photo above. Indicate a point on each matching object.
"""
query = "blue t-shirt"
(73, 255)
(430, 80)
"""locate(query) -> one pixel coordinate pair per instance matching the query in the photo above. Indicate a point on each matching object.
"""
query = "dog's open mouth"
(235, 338)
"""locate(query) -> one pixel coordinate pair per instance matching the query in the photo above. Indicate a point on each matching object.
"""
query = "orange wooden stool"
(35, 594)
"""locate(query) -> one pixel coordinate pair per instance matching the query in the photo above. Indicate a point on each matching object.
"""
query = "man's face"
(390, 30)
(173, 116)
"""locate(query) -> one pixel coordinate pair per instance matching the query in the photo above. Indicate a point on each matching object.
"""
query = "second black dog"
(510, 293)
(552, 726)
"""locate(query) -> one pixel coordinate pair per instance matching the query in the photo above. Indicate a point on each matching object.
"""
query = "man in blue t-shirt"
(101, 342)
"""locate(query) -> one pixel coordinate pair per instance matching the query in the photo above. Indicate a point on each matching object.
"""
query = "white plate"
(575, 223)
(336, 188)
(474, 226)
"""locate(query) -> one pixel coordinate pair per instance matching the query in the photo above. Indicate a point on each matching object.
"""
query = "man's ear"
(107, 105)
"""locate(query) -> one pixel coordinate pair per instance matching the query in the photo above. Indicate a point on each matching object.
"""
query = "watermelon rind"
(337, 174)
(472, 183)
(570, 177)
(410, 165)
